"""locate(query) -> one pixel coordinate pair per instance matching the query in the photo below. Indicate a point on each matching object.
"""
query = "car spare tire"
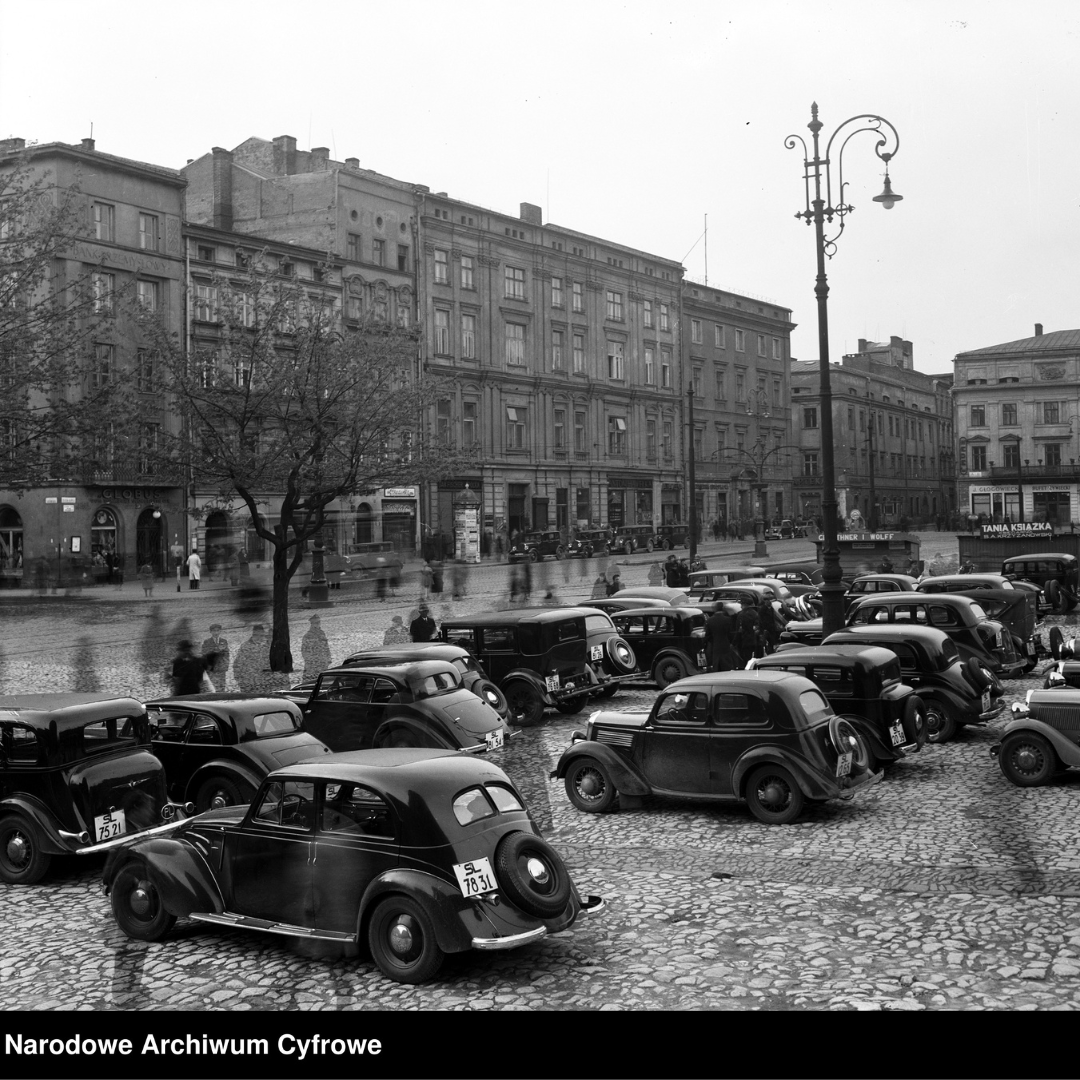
(915, 720)
(532, 874)
(489, 692)
(621, 655)
(846, 738)
(977, 675)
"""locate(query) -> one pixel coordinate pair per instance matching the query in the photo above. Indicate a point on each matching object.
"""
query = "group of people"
(732, 640)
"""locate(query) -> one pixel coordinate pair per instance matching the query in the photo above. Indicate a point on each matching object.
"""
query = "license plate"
(475, 878)
(986, 701)
(596, 652)
(843, 765)
(552, 682)
(109, 826)
(896, 733)
(494, 739)
(701, 660)
(1030, 648)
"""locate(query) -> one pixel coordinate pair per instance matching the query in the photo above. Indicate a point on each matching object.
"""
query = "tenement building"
(1018, 420)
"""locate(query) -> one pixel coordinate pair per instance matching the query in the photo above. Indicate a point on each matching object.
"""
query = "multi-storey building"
(893, 436)
(1018, 420)
(738, 351)
(131, 255)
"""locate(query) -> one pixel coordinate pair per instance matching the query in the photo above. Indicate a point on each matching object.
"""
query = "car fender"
(872, 734)
(626, 777)
(530, 677)
(424, 732)
(456, 919)
(678, 654)
(178, 870)
(809, 783)
(1066, 750)
(52, 836)
(964, 707)
(231, 769)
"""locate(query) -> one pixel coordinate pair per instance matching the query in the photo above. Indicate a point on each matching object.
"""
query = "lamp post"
(818, 210)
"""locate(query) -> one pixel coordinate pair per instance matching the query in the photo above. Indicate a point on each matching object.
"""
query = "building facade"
(1018, 410)
(893, 433)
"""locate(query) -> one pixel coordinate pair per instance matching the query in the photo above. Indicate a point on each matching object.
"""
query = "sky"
(659, 126)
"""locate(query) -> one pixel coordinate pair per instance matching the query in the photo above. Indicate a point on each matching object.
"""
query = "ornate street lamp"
(818, 210)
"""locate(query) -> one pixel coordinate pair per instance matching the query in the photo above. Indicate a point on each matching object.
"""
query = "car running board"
(246, 922)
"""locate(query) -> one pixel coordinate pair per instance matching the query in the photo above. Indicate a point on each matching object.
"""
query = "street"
(943, 887)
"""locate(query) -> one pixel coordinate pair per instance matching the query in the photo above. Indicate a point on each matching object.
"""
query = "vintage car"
(1065, 670)
(398, 703)
(586, 543)
(702, 580)
(631, 538)
(610, 656)
(674, 597)
(1041, 739)
(672, 536)
(728, 597)
(617, 604)
(930, 663)
(863, 683)
(76, 770)
(358, 566)
(1057, 574)
(780, 589)
(669, 643)
(538, 657)
(415, 853)
(216, 748)
(537, 546)
(874, 584)
(766, 738)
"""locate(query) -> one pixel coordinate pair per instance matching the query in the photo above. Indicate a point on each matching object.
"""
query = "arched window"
(365, 533)
(11, 540)
(103, 535)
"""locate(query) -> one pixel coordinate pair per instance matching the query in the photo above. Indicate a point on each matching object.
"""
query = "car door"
(740, 721)
(268, 859)
(339, 711)
(675, 743)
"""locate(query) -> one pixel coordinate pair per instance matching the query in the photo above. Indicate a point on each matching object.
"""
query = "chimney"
(1038, 329)
(320, 158)
(862, 344)
(222, 180)
(10, 145)
(284, 155)
(532, 213)
(353, 162)
(88, 144)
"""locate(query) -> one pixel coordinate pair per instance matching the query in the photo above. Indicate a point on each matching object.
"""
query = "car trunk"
(131, 785)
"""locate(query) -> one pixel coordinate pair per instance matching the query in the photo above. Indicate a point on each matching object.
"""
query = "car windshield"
(275, 723)
(102, 736)
(465, 664)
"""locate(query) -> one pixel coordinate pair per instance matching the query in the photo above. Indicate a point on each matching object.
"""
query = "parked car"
(790, 530)
(537, 546)
(420, 703)
(1065, 671)
(631, 538)
(672, 536)
(780, 590)
(216, 748)
(586, 543)
(669, 643)
(617, 604)
(610, 656)
(1041, 739)
(417, 853)
(359, 566)
(710, 579)
(875, 584)
(674, 597)
(863, 683)
(1017, 611)
(1057, 574)
(771, 740)
(76, 771)
(538, 657)
(729, 596)
(929, 663)
(797, 571)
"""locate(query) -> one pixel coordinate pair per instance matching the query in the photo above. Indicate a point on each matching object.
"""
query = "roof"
(401, 668)
(519, 615)
(733, 680)
(67, 710)
(1058, 340)
(228, 704)
(889, 631)
(856, 655)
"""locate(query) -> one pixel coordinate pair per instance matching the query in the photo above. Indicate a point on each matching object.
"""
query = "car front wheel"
(402, 941)
(532, 875)
(22, 862)
(940, 723)
(525, 704)
(773, 795)
(1027, 760)
(589, 787)
(670, 669)
(221, 791)
(136, 905)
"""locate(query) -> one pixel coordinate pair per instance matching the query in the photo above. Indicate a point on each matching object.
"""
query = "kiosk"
(863, 552)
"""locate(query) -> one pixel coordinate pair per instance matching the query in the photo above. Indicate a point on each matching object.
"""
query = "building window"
(978, 416)
(469, 411)
(442, 332)
(466, 271)
(776, 348)
(402, 257)
(647, 313)
(851, 417)
(809, 418)
(354, 303)
(776, 392)
(1008, 415)
(665, 368)
(1051, 412)
(378, 252)
(615, 360)
(148, 295)
(352, 247)
(103, 288)
(699, 443)
(1052, 453)
(515, 428)
(695, 381)
(442, 420)
(695, 331)
(442, 271)
(145, 371)
(978, 458)
(721, 384)
(718, 336)
(616, 435)
(650, 366)
(148, 232)
(242, 370)
(578, 301)
(560, 429)
(761, 344)
(579, 431)
(740, 341)
(104, 360)
(665, 439)
(1011, 452)
(810, 465)
(650, 440)
(556, 350)
(515, 283)
(104, 221)
(579, 354)
(515, 343)
(148, 444)
(740, 385)
(614, 304)
(468, 337)
(556, 292)
(206, 253)
(665, 322)
(206, 298)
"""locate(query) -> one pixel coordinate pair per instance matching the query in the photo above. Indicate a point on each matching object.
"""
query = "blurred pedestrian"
(425, 580)
(252, 662)
(747, 631)
(422, 628)
(397, 634)
(188, 670)
(719, 631)
(600, 587)
(146, 579)
(194, 570)
(459, 575)
(684, 575)
(671, 572)
(656, 575)
(886, 566)
(217, 647)
(315, 649)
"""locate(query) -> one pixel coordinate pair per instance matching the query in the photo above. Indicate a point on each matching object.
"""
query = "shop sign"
(399, 493)
(1019, 528)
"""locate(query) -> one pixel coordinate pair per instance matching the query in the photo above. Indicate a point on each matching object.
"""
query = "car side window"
(742, 709)
(499, 639)
(942, 616)
(383, 691)
(18, 745)
(170, 724)
(906, 655)
(632, 627)
(833, 679)
(684, 708)
(287, 804)
(204, 731)
(568, 631)
(345, 687)
(464, 639)
(355, 810)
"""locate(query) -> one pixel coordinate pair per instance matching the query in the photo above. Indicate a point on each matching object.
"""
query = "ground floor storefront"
(1055, 502)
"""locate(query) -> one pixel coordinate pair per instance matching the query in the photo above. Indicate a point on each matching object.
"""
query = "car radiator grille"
(1063, 718)
(615, 737)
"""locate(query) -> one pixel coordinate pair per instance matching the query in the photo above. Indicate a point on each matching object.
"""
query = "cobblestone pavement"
(944, 887)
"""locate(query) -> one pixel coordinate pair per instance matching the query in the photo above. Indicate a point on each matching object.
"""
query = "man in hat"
(216, 650)
(747, 627)
(252, 662)
(422, 628)
(315, 649)
(187, 670)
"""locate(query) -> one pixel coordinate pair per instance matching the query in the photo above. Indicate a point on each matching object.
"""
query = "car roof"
(851, 653)
(783, 681)
(961, 578)
(66, 709)
(916, 597)
(418, 650)
(901, 578)
(660, 592)
(894, 631)
(749, 571)
(1039, 555)
(680, 611)
(518, 615)
(400, 668)
(227, 705)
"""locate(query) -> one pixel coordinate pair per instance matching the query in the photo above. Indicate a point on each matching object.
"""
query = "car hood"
(619, 719)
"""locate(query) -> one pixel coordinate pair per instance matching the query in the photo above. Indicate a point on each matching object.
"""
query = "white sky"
(632, 121)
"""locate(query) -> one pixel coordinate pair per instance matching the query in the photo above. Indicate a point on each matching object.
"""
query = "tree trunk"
(280, 650)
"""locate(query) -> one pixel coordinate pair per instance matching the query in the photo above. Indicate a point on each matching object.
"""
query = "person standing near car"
(771, 624)
(188, 670)
(253, 661)
(719, 630)
(217, 647)
(422, 628)
(315, 649)
(747, 630)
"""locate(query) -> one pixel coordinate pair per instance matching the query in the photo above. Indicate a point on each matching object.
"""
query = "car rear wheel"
(940, 723)
(22, 862)
(668, 670)
(628, 548)
(402, 941)
(666, 544)
(1055, 597)
(1028, 760)
(524, 703)
(847, 740)
(589, 787)
(773, 795)
(1057, 638)
(573, 705)
(560, 551)
(221, 791)
(532, 875)
(533, 557)
(650, 545)
(489, 692)
(136, 905)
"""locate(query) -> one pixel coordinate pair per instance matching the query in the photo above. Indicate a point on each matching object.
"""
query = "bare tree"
(290, 404)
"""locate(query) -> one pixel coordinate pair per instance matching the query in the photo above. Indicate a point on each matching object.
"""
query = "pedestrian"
(772, 624)
(615, 584)
(422, 628)
(397, 634)
(719, 630)
(194, 564)
(188, 670)
(315, 649)
(253, 662)
(425, 580)
(380, 582)
(436, 578)
(459, 573)
(886, 566)
(146, 579)
(526, 581)
(217, 647)
(747, 631)
(671, 572)
(683, 575)
(600, 587)
(177, 553)
(656, 575)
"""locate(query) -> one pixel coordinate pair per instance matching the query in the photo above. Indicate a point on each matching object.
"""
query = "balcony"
(1033, 473)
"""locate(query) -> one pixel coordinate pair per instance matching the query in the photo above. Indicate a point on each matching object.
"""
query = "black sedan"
(216, 748)
(417, 853)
